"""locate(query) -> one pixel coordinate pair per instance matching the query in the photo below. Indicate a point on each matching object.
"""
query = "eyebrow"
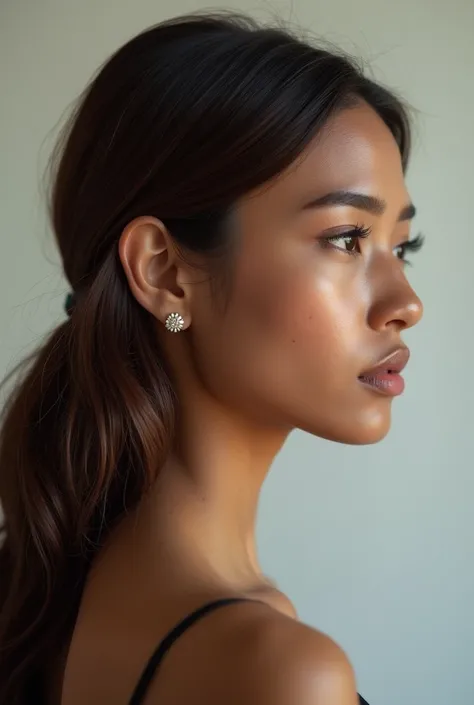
(371, 204)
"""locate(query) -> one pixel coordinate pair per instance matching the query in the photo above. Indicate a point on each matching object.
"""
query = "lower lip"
(390, 384)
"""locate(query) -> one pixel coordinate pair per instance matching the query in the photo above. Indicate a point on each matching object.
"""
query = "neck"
(206, 498)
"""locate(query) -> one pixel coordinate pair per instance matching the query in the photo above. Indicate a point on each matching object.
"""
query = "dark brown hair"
(179, 123)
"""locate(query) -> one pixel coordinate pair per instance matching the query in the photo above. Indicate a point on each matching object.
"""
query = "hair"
(179, 123)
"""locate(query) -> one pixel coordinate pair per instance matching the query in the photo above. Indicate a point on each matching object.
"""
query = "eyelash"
(414, 245)
(360, 232)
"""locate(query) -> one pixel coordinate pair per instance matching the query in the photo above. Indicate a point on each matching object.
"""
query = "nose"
(395, 304)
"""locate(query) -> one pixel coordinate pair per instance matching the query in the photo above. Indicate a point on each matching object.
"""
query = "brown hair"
(179, 123)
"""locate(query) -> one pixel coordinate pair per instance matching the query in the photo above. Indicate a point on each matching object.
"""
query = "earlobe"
(150, 263)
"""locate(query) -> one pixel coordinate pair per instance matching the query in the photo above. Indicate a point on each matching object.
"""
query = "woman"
(233, 219)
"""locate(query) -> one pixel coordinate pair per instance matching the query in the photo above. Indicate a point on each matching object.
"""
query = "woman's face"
(313, 306)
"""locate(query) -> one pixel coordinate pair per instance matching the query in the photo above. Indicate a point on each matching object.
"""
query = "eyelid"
(413, 244)
(346, 230)
(355, 232)
(410, 245)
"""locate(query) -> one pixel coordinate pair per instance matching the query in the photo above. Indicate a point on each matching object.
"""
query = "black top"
(153, 664)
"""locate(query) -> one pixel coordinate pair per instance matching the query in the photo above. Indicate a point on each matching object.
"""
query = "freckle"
(293, 341)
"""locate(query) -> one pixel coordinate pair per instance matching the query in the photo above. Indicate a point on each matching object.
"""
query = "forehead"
(354, 151)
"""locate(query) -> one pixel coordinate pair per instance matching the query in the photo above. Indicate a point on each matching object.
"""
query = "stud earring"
(174, 322)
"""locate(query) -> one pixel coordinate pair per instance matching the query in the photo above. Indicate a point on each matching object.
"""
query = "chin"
(365, 428)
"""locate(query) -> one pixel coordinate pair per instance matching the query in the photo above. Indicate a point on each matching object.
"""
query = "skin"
(304, 320)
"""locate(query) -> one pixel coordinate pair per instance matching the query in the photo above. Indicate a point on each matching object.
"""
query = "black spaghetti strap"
(174, 634)
(164, 646)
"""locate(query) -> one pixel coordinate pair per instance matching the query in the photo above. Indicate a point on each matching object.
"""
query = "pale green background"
(373, 544)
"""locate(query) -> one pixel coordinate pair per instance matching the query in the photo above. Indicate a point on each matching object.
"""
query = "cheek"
(312, 319)
(290, 335)
(320, 318)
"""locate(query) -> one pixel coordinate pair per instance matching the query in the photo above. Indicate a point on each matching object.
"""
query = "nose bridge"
(394, 301)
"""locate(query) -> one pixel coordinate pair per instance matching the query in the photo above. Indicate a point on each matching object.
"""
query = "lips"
(385, 376)
(395, 362)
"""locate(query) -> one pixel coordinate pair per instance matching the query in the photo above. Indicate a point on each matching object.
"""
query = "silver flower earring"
(174, 322)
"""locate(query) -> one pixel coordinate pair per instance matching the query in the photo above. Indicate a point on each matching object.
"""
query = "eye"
(348, 241)
(414, 245)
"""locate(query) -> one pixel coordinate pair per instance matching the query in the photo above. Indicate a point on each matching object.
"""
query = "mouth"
(385, 376)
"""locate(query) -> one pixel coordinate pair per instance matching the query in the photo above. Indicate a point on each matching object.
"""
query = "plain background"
(373, 544)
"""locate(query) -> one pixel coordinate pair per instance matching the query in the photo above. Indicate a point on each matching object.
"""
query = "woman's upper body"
(232, 214)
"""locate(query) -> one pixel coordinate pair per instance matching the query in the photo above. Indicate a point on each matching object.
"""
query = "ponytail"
(81, 438)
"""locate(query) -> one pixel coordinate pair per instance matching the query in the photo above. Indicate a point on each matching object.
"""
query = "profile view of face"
(319, 297)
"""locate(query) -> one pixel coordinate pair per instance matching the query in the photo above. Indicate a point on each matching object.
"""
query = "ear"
(155, 273)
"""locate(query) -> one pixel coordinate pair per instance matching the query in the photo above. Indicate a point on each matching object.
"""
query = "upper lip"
(395, 361)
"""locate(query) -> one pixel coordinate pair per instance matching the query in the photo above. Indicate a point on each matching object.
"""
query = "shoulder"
(288, 662)
(253, 654)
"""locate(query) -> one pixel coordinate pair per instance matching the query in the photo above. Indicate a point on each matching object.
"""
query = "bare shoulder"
(253, 654)
(289, 662)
